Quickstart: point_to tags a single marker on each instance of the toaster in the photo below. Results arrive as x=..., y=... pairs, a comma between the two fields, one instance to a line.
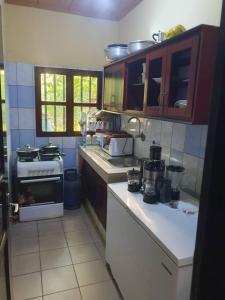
x=118, y=145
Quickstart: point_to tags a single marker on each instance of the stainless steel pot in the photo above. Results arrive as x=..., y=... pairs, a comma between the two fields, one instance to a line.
x=139, y=45
x=27, y=152
x=116, y=51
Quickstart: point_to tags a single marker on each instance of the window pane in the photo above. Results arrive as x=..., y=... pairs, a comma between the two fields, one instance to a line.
x=3, y=117
x=60, y=81
x=77, y=89
x=60, y=118
x=2, y=74
x=77, y=110
x=49, y=87
x=86, y=89
x=94, y=88
x=53, y=118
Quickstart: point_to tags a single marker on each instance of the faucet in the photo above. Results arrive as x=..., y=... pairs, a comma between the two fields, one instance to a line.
x=140, y=134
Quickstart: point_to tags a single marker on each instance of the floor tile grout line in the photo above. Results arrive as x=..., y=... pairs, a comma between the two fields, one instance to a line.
x=98, y=282
x=74, y=268
x=39, y=245
x=77, y=288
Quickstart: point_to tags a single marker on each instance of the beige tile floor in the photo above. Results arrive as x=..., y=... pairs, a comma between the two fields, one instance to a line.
x=60, y=259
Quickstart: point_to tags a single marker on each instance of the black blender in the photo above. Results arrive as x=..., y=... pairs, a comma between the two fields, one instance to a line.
x=153, y=169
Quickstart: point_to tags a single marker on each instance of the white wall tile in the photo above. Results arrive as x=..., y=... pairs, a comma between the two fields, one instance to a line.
x=26, y=118
x=166, y=134
x=178, y=136
x=56, y=141
x=190, y=164
x=166, y=155
x=69, y=142
x=14, y=118
x=10, y=73
x=25, y=74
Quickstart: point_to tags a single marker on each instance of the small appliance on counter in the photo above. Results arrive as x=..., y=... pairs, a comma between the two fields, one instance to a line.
x=118, y=144
x=134, y=180
x=175, y=174
x=153, y=170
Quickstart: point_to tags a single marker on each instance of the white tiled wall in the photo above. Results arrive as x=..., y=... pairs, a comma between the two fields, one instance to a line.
x=181, y=145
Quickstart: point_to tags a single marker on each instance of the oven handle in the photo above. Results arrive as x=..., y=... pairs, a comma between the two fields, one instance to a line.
x=40, y=180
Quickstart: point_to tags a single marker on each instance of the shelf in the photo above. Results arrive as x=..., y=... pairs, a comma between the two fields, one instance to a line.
x=138, y=84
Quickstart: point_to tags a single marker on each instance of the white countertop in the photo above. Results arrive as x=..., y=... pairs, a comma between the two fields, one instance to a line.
x=104, y=169
x=172, y=229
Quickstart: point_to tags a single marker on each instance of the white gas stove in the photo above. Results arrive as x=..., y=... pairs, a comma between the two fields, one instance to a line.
x=40, y=188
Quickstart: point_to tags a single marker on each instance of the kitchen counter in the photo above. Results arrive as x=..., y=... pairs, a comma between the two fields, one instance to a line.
x=104, y=169
x=172, y=229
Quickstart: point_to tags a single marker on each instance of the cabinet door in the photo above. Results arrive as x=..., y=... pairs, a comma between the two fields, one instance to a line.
x=141, y=269
x=180, y=83
x=114, y=87
x=156, y=76
x=135, y=83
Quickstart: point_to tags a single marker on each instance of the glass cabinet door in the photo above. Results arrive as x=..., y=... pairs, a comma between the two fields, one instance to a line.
x=114, y=87
x=156, y=67
x=181, y=70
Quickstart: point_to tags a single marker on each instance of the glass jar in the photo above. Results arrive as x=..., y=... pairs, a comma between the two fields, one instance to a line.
x=134, y=180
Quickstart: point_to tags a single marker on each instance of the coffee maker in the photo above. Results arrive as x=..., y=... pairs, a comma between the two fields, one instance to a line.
x=153, y=169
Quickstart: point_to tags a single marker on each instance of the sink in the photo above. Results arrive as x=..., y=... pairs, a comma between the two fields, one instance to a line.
x=123, y=162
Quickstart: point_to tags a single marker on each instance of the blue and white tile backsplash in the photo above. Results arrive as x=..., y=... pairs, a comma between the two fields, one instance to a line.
x=21, y=94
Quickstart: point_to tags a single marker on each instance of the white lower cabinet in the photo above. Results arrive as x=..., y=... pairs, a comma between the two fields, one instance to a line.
x=140, y=267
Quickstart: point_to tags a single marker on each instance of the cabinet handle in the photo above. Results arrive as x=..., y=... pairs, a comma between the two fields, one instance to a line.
x=166, y=268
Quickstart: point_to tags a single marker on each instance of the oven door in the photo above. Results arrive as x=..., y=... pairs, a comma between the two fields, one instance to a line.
x=40, y=190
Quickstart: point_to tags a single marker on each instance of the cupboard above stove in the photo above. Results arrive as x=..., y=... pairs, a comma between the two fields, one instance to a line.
x=170, y=80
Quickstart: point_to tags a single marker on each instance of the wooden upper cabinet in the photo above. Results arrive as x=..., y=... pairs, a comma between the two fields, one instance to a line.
x=170, y=80
x=114, y=87
x=155, y=83
x=134, y=84
x=181, y=79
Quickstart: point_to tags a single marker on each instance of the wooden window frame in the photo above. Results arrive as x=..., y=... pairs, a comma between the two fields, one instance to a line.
x=70, y=104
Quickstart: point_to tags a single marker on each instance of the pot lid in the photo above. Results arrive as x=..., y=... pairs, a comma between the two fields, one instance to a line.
x=27, y=149
x=133, y=172
x=50, y=146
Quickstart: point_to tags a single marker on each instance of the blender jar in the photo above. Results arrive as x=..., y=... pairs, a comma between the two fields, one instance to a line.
x=134, y=180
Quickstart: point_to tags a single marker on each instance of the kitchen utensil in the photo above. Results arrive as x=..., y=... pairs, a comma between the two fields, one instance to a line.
x=153, y=169
x=180, y=103
x=134, y=180
x=50, y=152
x=163, y=189
x=50, y=148
x=155, y=151
x=139, y=45
x=175, y=174
x=27, y=153
x=158, y=37
x=116, y=51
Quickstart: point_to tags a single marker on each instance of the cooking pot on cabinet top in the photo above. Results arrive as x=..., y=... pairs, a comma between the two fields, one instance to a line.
x=50, y=152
